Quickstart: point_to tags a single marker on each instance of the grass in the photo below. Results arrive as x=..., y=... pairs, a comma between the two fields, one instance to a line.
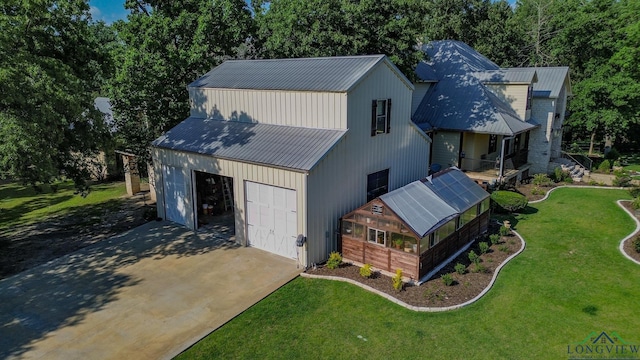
x=20, y=205
x=570, y=281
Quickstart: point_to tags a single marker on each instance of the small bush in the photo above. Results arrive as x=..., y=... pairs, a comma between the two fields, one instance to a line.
x=537, y=191
x=612, y=155
x=335, y=259
x=365, y=271
x=447, y=279
x=460, y=268
x=604, y=166
x=622, y=179
x=541, y=180
x=504, y=248
x=484, y=247
x=479, y=268
x=473, y=257
x=495, y=238
x=635, y=191
x=636, y=203
x=509, y=201
x=636, y=244
x=397, y=280
x=504, y=231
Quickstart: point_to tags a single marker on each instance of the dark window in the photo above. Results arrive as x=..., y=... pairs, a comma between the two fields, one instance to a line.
x=529, y=97
x=380, y=117
x=493, y=143
x=377, y=184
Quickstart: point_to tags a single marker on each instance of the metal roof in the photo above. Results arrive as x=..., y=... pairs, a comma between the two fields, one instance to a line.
x=550, y=81
x=462, y=103
x=450, y=57
x=331, y=74
x=456, y=189
x=281, y=146
x=507, y=76
x=419, y=207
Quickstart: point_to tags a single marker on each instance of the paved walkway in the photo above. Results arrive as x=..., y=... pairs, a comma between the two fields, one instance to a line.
x=147, y=294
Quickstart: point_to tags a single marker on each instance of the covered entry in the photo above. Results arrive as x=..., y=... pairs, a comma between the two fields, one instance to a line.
x=271, y=218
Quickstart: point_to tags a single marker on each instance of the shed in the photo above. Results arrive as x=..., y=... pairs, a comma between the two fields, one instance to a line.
x=417, y=226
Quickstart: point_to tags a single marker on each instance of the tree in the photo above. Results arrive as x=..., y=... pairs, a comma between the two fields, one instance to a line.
x=290, y=28
x=166, y=46
x=50, y=73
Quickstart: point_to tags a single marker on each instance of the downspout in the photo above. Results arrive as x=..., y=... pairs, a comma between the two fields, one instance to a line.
x=502, y=157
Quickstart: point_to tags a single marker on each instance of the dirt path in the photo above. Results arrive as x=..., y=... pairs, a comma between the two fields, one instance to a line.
x=28, y=246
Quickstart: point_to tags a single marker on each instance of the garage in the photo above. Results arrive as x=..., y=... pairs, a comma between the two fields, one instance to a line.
x=271, y=218
x=174, y=194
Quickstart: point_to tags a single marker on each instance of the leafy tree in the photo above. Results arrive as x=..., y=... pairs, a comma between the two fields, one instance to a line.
x=291, y=28
x=51, y=69
x=166, y=46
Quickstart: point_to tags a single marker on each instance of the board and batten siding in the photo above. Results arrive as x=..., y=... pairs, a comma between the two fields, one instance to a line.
x=323, y=110
x=338, y=183
x=446, y=148
x=514, y=95
x=240, y=172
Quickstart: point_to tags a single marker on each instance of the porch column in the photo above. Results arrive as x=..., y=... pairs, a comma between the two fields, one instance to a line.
x=131, y=174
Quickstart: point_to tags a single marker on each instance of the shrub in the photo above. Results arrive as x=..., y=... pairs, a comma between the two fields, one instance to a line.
x=636, y=203
x=604, y=166
x=558, y=174
x=612, y=155
x=473, y=257
x=335, y=259
x=447, y=279
x=397, y=280
x=504, y=231
x=504, y=248
x=635, y=191
x=460, y=268
x=480, y=268
x=509, y=201
x=484, y=247
x=537, y=191
x=495, y=238
x=636, y=244
x=365, y=271
x=541, y=180
x=622, y=179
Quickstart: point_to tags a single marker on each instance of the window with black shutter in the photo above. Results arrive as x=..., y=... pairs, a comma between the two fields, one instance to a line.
x=380, y=117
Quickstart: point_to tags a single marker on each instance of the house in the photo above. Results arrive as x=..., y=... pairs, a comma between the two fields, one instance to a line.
x=418, y=226
x=494, y=123
x=289, y=146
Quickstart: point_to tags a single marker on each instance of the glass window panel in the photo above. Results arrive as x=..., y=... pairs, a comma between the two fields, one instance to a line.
x=347, y=228
x=424, y=243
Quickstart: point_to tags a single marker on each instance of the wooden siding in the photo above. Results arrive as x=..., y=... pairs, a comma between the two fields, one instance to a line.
x=323, y=110
x=240, y=172
x=514, y=95
x=446, y=148
x=380, y=257
x=338, y=184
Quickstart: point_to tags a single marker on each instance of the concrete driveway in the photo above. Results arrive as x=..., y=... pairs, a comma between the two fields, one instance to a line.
x=147, y=294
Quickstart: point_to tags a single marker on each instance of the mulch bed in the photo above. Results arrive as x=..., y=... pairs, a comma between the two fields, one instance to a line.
x=628, y=246
x=434, y=293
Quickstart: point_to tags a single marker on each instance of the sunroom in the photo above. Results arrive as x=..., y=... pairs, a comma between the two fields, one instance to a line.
x=418, y=226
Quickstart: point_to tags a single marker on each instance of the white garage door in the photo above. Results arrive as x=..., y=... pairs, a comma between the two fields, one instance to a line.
x=271, y=218
x=174, y=194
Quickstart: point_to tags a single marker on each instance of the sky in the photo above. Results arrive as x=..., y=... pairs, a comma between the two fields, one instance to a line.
x=112, y=10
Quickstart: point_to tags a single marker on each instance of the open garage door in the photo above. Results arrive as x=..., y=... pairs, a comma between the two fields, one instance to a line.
x=174, y=194
x=271, y=218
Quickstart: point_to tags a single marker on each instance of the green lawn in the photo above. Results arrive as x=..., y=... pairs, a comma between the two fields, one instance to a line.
x=20, y=205
x=570, y=281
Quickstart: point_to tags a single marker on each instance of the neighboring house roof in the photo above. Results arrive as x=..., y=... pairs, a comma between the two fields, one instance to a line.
x=550, y=81
x=426, y=205
x=507, y=76
x=329, y=74
x=419, y=207
x=464, y=104
x=456, y=189
x=289, y=147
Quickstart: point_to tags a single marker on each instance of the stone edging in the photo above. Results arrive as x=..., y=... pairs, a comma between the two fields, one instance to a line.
x=420, y=308
x=619, y=202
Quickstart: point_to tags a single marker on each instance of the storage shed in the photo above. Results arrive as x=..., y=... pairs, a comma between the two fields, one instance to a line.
x=417, y=226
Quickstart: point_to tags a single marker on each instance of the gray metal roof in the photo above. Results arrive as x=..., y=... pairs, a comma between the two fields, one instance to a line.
x=450, y=57
x=462, y=103
x=331, y=74
x=419, y=207
x=550, y=81
x=456, y=189
x=507, y=76
x=281, y=146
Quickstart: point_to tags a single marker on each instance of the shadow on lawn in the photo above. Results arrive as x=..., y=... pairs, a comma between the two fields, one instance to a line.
x=514, y=218
x=62, y=293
